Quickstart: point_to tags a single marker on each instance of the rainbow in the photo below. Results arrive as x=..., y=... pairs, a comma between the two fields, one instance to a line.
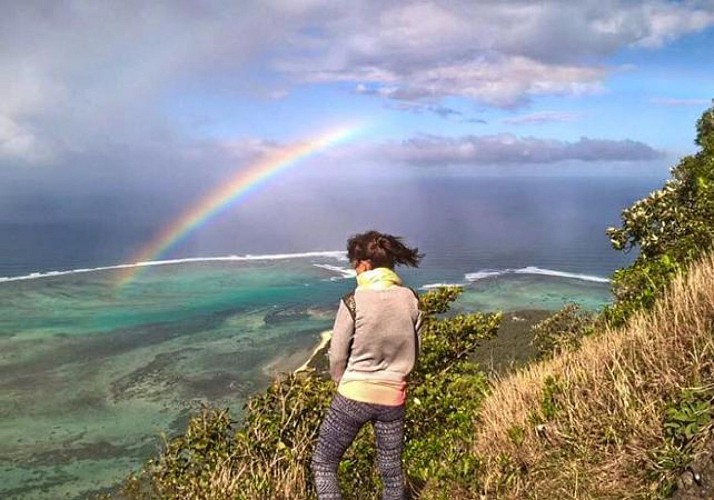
x=236, y=189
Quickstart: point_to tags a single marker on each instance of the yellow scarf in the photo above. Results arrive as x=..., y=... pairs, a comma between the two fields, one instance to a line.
x=380, y=278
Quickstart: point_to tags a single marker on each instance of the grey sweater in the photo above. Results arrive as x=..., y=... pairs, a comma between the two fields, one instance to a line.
x=382, y=342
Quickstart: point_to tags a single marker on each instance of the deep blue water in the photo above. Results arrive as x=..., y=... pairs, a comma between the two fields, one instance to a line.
x=462, y=224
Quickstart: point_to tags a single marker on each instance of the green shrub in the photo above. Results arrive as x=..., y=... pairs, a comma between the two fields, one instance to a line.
x=441, y=416
x=549, y=405
x=685, y=422
x=438, y=300
x=671, y=228
x=517, y=434
x=563, y=330
x=686, y=417
x=186, y=467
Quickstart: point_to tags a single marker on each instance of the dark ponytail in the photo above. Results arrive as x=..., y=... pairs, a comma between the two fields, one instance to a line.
x=383, y=250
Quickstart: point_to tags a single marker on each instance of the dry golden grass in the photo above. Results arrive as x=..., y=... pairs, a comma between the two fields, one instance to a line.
x=610, y=402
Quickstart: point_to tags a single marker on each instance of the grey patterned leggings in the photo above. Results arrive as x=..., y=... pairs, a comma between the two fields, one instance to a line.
x=342, y=423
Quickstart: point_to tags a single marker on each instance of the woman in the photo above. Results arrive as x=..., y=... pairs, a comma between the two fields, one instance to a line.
x=375, y=341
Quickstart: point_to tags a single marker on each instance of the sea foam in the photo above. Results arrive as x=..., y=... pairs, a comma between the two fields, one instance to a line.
x=334, y=254
x=488, y=273
x=431, y=286
x=342, y=271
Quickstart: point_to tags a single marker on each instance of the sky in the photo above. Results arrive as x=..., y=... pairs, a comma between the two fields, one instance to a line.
x=110, y=106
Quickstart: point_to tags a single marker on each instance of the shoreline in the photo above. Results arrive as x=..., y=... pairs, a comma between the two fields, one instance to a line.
x=319, y=348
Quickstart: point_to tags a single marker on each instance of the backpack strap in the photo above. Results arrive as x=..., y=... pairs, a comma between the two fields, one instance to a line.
x=351, y=304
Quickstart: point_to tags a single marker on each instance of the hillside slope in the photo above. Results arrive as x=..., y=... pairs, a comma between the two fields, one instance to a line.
x=620, y=417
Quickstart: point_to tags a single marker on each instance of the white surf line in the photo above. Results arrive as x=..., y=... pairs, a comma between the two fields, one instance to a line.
x=336, y=254
x=431, y=286
x=342, y=271
x=488, y=273
x=561, y=274
x=49, y=274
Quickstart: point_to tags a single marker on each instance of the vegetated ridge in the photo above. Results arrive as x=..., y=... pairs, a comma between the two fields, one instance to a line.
x=619, y=405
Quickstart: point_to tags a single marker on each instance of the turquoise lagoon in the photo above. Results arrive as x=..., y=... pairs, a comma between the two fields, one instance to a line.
x=93, y=373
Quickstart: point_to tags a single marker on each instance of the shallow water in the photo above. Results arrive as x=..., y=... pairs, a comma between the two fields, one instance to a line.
x=517, y=292
x=92, y=373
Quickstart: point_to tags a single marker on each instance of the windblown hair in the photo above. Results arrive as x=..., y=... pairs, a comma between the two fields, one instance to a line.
x=383, y=250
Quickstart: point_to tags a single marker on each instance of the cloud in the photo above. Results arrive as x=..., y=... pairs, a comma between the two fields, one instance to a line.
x=18, y=142
x=134, y=183
x=443, y=111
x=668, y=21
x=496, y=81
x=496, y=53
x=541, y=117
x=418, y=108
x=505, y=149
x=85, y=76
x=475, y=120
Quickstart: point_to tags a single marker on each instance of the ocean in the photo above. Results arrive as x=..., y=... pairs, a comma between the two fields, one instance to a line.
x=94, y=366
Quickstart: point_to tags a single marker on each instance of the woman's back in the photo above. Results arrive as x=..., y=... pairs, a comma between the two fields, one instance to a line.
x=375, y=342
x=385, y=343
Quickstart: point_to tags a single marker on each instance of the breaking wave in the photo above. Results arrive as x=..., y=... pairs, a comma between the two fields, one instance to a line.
x=493, y=273
x=342, y=271
x=488, y=273
x=431, y=286
x=334, y=254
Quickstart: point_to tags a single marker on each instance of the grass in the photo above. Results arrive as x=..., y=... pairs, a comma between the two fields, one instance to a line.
x=593, y=422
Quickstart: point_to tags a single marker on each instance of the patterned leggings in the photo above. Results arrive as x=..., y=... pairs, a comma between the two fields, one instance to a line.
x=344, y=419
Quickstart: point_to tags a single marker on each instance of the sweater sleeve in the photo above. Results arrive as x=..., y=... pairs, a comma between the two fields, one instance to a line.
x=342, y=334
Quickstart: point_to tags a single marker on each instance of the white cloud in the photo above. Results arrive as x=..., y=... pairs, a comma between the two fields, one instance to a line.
x=496, y=53
x=668, y=21
x=506, y=149
x=17, y=142
x=83, y=75
x=419, y=108
x=78, y=76
x=503, y=83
